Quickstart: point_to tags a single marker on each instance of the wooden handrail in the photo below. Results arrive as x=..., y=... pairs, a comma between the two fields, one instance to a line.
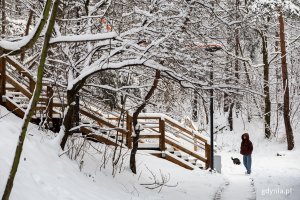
x=23, y=71
x=18, y=86
x=103, y=121
x=185, y=150
x=186, y=130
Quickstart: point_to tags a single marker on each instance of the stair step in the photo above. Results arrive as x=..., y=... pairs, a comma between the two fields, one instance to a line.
x=20, y=98
x=14, y=93
x=177, y=153
x=199, y=164
x=170, y=149
x=192, y=160
x=114, y=137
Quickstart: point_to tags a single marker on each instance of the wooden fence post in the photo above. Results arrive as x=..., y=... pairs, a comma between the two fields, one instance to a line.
x=31, y=85
x=162, y=139
x=207, y=155
x=50, y=101
x=2, y=80
x=129, y=131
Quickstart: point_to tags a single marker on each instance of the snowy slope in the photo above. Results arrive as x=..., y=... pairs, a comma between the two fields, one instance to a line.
x=43, y=175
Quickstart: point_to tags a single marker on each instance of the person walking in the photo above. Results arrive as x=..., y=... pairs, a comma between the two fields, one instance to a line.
x=246, y=151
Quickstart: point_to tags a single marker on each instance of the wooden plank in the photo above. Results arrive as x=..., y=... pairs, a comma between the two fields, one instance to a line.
x=148, y=117
x=129, y=131
x=162, y=142
x=145, y=136
x=171, y=159
x=14, y=108
x=59, y=104
x=2, y=79
x=18, y=86
x=181, y=148
x=185, y=130
x=102, y=121
x=18, y=66
x=89, y=134
x=207, y=155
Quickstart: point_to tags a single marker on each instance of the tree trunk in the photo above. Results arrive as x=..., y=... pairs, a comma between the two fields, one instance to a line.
x=32, y=104
x=267, y=109
x=3, y=17
x=230, y=117
x=195, y=106
x=27, y=31
x=68, y=119
x=286, y=98
x=135, y=122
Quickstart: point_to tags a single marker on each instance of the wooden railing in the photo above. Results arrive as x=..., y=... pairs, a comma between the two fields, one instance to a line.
x=160, y=131
x=20, y=80
x=164, y=132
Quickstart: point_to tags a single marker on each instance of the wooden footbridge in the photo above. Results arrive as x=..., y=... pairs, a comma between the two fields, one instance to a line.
x=162, y=136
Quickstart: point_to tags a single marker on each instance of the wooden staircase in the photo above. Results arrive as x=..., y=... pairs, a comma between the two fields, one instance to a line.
x=162, y=136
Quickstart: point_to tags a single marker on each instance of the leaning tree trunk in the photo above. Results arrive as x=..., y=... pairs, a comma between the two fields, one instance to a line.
x=135, y=122
x=32, y=104
x=70, y=111
x=286, y=98
x=267, y=113
x=68, y=118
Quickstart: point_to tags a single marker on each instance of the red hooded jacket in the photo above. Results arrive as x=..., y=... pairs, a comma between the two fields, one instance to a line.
x=246, y=145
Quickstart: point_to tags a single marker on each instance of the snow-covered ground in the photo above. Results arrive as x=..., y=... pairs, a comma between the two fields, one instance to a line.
x=43, y=175
x=273, y=177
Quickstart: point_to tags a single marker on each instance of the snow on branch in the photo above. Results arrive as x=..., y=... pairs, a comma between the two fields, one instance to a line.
x=107, y=87
x=14, y=47
x=84, y=38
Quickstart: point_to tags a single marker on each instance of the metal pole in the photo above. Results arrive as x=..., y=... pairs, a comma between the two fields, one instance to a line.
x=211, y=120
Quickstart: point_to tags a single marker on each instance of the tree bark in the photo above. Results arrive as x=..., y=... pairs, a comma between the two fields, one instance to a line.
x=135, y=122
x=3, y=17
x=27, y=31
x=32, y=104
x=286, y=98
x=267, y=109
x=230, y=117
x=67, y=122
x=195, y=106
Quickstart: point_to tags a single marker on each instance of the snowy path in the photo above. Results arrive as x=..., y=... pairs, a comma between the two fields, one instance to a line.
x=238, y=186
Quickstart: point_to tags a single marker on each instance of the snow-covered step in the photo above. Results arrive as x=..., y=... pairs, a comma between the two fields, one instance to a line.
x=190, y=165
x=151, y=126
x=9, y=86
x=185, y=156
x=177, y=153
x=192, y=160
x=148, y=146
x=199, y=164
x=23, y=98
x=14, y=93
x=114, y=137
x=17, y=101
x=170, y=149
x=56, y=115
